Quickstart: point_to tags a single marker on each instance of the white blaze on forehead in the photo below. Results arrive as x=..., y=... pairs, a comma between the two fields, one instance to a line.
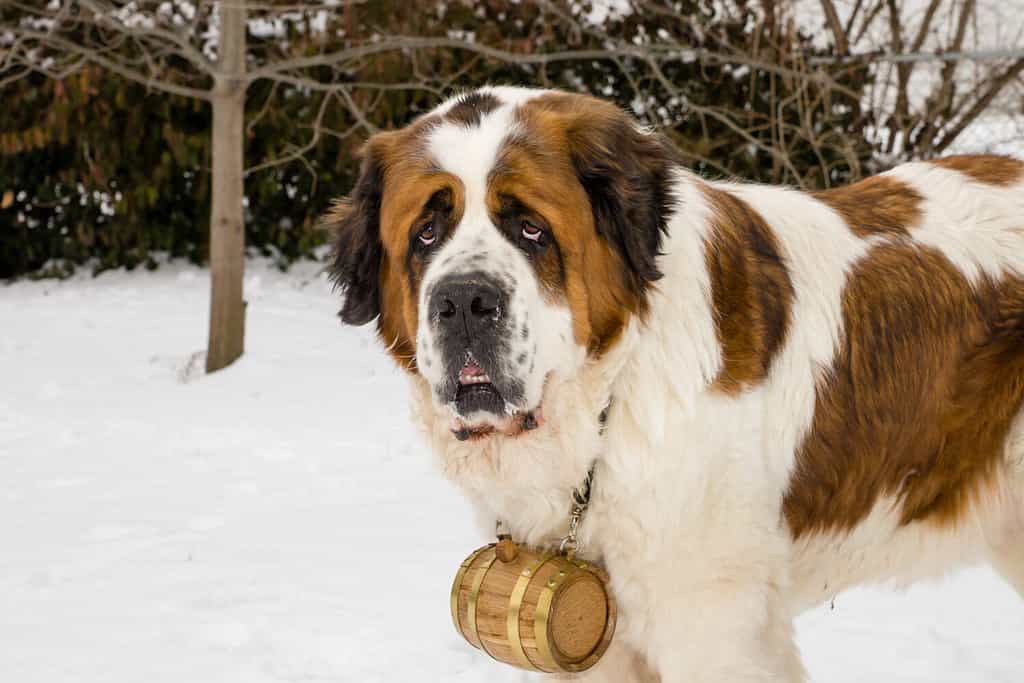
x=470, y=152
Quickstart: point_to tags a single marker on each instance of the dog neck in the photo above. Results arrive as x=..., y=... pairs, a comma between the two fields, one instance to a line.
x=527, y=480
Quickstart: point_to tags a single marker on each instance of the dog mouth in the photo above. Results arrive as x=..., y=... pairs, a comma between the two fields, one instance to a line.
x=475, y=393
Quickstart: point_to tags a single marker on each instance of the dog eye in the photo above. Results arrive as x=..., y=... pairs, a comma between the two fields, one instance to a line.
x=532, y=232
x=427, y=235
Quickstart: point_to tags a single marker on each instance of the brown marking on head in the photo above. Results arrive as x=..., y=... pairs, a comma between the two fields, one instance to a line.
x=605, y=188
x=920, y=398
x=985, y=168
x=515, y=205
x=751, y=291
x=471, y=108
x=374, y=227
x=880, y=205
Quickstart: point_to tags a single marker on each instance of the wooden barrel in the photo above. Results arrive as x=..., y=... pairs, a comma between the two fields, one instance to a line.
x=537, y=611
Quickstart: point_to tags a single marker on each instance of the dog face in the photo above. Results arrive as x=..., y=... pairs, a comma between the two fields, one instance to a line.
x=500, y=241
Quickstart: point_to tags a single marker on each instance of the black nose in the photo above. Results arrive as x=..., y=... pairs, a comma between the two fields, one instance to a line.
x=470, y=303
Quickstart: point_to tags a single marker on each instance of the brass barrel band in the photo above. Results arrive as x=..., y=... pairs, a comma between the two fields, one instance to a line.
x=474, y=593
x=515, y=604
x=457, y=585
x=541, y=620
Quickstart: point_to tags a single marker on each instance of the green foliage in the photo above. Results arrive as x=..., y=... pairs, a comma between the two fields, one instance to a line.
x=96, y=169
x=100, y=169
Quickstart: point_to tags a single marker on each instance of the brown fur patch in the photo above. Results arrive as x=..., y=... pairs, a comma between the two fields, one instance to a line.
x=407, y=181
x=880, y=205
x=751, y=291
x=409, y=188
x=593, y=287
x=985, y=168
x=510, y=213
x=920, y=398
x=603, y=186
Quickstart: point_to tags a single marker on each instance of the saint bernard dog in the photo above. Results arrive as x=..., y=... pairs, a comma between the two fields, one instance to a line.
x=781, y=393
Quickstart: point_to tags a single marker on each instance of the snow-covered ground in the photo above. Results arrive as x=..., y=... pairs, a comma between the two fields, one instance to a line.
x=279, y=521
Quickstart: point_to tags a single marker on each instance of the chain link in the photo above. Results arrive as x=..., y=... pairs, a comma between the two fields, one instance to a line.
x=580, y=500
x=570, y=544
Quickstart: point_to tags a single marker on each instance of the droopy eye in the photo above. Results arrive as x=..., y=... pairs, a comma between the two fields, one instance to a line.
x=532, y=232
x=427, y=235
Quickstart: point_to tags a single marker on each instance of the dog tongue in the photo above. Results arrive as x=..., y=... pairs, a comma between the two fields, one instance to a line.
x=472, y=373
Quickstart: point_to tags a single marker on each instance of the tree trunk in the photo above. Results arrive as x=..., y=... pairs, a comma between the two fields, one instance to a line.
x=227, y=221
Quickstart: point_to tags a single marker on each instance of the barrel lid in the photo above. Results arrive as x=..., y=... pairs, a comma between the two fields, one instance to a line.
x=579, y=617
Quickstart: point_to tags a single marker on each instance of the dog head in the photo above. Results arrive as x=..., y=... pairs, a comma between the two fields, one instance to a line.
x=500, y=242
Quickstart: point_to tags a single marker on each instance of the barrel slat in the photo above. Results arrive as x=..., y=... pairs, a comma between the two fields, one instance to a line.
x=492, y=609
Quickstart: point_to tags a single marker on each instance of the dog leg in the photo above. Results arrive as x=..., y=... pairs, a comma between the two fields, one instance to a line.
x=727, y=633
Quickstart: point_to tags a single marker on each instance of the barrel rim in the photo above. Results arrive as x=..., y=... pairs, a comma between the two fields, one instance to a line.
x=457, y=585
x=543, y=624
x=474, y=595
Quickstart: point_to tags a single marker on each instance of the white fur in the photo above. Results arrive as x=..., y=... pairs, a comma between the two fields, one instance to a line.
x=686, y=511
x=976, y=226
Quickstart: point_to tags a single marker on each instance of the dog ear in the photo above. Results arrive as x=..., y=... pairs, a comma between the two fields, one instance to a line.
x=358, y=252
x=626, y=173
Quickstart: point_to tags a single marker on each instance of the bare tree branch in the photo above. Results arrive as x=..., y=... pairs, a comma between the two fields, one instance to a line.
x=836, y=27
x=852, y=19
x=996, y=86
x=104, y=13
x=98, y=57
x=299, y=152
x=941, y=102
x=925, y=26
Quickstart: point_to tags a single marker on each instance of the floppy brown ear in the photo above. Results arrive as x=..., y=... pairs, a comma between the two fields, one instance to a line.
x=358, y=251
x=626, y=173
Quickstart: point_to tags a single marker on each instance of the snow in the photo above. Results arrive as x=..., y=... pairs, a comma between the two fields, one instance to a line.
x=600, y=11
x=992, y=133
x=280, y=521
